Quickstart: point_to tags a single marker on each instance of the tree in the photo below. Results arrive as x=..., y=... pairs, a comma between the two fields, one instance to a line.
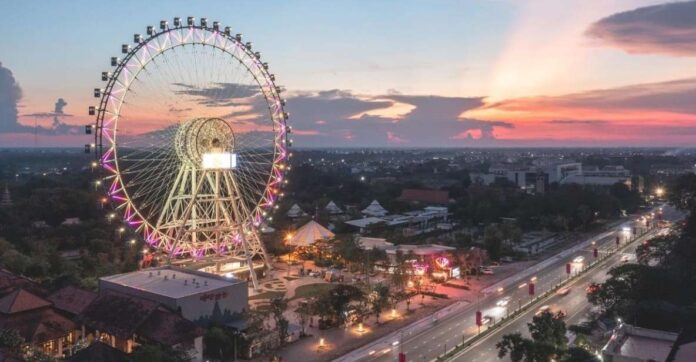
x=10, y=339
x=493, y=241
x=548, y=341
x=218, y=344
x=378, y=299
x=159, y=353
x=303, y=313
x=278, y=306
x=577, y=354
x=399, y=275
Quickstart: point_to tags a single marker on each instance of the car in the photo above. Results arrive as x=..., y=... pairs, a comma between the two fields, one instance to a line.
x=591, y=288
x=547, y=309
x=579, y=259
x=503, y=302
x=486, y=320
x=486, y=271
x=563, y=291
x=625, y=258
x=543, y=309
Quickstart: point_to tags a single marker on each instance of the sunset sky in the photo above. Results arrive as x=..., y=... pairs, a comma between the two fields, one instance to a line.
x=390, y=73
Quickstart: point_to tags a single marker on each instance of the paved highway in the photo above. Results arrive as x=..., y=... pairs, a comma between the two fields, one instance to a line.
x=447, y=332
x=574, y=304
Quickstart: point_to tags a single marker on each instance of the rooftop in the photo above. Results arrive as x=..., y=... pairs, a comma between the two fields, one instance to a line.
x=171, y=282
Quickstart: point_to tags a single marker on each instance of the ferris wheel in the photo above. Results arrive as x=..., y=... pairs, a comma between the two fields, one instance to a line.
x=191, y=132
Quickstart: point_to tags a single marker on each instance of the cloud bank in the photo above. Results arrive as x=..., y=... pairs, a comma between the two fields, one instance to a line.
x=666, y=29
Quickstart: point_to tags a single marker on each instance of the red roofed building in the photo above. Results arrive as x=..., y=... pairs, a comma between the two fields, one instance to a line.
x=436, y=197
x=37, y=322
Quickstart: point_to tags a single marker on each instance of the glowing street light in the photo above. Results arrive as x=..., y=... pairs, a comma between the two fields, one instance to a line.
x=659, y=191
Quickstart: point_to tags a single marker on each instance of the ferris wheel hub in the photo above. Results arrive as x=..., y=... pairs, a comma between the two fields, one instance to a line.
x=199, y=138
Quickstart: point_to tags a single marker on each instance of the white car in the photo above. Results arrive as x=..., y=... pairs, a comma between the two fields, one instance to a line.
x=563, y=291
x=503, y=302
x=486, y=271
x=579, y=259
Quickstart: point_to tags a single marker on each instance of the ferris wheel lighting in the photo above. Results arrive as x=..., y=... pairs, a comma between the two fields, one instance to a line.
x=204, y=143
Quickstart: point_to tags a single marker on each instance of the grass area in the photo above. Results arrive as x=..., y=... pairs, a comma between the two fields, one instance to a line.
x=267, y=295
x=312, y=290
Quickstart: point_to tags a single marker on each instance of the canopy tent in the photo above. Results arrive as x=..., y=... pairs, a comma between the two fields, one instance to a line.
x=333, y=209
x=295, y=211
x=309, y=233
x=375, y=209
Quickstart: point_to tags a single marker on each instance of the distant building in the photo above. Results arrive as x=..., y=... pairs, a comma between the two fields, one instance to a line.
x=6, y=199
x=374, y=209
x=366, y=243
x=295, y=212
x=71, y=221
x=435, y=197
x=199, y=297
x=333, y=209
x=634, y=344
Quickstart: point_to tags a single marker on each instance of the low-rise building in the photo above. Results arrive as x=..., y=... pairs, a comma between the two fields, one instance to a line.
x=635, y=344
x=199, y=297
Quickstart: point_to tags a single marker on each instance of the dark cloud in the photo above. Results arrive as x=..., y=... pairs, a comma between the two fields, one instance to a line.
x=219, y=94
x=666, y=28
x=342, y=118
x=10, y=94
x=674, y=96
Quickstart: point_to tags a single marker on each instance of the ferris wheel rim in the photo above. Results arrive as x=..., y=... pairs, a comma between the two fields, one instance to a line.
x=108, y=158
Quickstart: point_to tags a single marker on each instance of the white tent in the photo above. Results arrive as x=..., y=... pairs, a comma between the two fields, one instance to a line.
x=333, y=209
x=295, y=211
x=375, y=209
x=309, y=233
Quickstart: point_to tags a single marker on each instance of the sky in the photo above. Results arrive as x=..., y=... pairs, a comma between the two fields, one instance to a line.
x=401, y=73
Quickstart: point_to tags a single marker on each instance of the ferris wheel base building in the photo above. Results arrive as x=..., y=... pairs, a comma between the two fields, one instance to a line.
x=199, y=297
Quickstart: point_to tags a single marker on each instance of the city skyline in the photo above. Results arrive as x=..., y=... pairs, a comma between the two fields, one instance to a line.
x=388, y=74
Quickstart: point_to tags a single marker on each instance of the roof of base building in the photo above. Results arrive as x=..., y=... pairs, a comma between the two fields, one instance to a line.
x=20, y=301
x=71, y=299
x=168, y=328
x=98, y=351
x=124, y=315
x=117, y=314
x=171, y=282
x=38, y=325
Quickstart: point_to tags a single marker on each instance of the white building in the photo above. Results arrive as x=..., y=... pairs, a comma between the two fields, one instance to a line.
x=635, y=344
x=197, y=295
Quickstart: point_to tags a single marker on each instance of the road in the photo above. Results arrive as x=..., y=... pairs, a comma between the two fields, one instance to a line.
x=574, y=304
x=447, y=332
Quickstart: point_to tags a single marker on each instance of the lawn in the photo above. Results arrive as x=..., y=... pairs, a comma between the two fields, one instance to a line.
x=312, y=290
x=267, y=295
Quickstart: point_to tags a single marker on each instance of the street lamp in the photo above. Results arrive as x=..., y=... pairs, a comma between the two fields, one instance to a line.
x=659, y=191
